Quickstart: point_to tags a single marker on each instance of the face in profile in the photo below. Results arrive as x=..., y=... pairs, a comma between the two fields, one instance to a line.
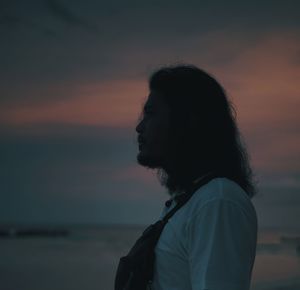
x=153, y=132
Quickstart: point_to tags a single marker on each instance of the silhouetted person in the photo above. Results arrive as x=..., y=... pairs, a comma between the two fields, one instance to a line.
x=187, y=131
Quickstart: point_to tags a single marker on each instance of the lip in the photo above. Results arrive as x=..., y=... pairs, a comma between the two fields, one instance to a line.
x=141, y=146
x=141, y=140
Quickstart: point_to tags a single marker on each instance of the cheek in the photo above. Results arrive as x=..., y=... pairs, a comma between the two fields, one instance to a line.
x=161, y=133
x=158, y=131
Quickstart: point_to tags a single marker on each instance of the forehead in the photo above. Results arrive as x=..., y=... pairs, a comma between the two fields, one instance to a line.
x=155, y=100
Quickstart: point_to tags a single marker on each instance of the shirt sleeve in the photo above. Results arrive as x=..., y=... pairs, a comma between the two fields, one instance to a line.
x=221, y=246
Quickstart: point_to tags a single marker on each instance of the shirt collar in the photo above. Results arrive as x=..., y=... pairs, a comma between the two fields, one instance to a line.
x=177, y=196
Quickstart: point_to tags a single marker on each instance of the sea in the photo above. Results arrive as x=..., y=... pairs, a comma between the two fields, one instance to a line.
x=87, y=258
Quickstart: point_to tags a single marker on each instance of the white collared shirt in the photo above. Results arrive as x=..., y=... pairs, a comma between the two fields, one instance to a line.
x=209, y=243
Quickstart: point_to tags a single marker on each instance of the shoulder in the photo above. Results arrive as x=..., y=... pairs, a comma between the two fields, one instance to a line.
x=218, y=191
x=222, y=213
x=218, y=205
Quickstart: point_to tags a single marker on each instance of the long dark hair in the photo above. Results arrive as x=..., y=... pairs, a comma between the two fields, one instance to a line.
x=204, y=136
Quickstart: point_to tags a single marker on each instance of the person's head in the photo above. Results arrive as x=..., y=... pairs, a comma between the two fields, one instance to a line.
x=188, y=129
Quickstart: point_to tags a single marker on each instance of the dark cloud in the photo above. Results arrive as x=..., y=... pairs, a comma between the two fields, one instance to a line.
x=17, y=14
x=64, y=13
x=131, y=36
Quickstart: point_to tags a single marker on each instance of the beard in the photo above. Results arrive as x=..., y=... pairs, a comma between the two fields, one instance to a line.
x=152, y=161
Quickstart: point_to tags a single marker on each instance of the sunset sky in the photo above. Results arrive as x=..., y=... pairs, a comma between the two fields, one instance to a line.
x=74, y=79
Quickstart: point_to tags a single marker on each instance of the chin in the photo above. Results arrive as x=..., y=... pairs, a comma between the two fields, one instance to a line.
x=148, y=161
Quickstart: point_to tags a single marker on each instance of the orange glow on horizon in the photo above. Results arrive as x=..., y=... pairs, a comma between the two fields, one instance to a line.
x=115, y=103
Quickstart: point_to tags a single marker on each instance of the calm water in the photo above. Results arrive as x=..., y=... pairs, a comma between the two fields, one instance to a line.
x=87, y=259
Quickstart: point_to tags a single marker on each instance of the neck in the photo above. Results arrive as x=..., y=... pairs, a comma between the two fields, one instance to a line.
x=194, y=182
